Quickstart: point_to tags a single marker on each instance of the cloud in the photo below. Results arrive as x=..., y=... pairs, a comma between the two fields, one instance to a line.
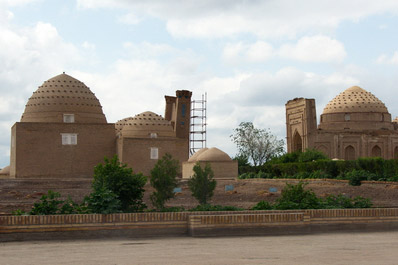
x=385, y=59
x=264, y=19
x=307, y=49
x=314, y=49
x=259, y=51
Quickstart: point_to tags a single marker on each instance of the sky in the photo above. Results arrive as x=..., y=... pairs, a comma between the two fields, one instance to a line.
x=250, y=57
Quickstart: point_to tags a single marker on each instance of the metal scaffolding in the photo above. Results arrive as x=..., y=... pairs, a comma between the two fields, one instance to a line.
x=198, y=124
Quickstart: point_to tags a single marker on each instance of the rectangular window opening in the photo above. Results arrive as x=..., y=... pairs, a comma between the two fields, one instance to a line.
x=69, y=138
x=154, y=153
x=69, y=118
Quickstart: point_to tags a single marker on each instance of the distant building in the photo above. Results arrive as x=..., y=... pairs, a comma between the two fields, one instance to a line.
x=353, y=124
x=63, y=133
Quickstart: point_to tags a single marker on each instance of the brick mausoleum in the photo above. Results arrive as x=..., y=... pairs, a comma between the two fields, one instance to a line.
x=353, y=124
x=63, y=133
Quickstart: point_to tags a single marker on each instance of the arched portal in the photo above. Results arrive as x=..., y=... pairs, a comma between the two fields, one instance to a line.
x=376, y=151
x=323, y=149
x=297, y=142
x=349, y=153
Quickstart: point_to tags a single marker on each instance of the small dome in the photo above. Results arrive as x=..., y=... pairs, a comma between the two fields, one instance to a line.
x=395, y=120
x=196, y=154
x=5, y=171
x=355, y=99
x=144, y=124
x=61, y=95
x=213, y=155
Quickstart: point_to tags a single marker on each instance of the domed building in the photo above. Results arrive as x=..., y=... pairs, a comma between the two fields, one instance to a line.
x=353, y=124
x=222, y=165
x=63, y=133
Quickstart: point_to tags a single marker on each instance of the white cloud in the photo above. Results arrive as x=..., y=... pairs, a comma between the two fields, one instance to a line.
x=130, y=19
x=385, y=59
x=307, y=49
x=314, y=49
x=236, y=53
x=265, y=19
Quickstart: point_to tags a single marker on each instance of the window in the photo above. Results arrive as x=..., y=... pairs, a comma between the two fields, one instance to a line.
x=154, y=135
x=69, y=118
x=347, y=117
x=69, y=138
x=154, y=153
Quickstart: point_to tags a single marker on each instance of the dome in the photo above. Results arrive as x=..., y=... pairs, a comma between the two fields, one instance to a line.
x=212, y=155
x=355, y=99
x=5, y=171
x=144, y=124
x=196, y=154
x=61, y=95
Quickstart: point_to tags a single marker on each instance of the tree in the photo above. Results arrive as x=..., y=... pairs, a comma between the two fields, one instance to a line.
x=118, y=181
x=258, y=145
x=202, y=183
x=164, y=180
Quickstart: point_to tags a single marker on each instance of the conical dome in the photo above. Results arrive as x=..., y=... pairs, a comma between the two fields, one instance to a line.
x=62, y=95
x=355, y=99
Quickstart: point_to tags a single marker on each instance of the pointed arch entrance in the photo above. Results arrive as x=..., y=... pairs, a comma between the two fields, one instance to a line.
x=297, y=142
x=349, y=153
x=376, y=151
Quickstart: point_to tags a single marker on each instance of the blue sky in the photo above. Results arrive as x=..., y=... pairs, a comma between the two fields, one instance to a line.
x=249, y=56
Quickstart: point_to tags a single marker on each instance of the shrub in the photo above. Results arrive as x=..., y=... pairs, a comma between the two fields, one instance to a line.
x=49, y=204
x=102, y=201
x=163, y=180
x=311, y=155
x=208, y=207
x=202, y=183
x=296, y=197
x=122, y=182
x=356, y=176
x=262, y=205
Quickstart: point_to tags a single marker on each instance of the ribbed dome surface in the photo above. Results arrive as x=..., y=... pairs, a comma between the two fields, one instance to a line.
x=355, y=99
x=143, y=124
x=60, y=95
x=211, y=155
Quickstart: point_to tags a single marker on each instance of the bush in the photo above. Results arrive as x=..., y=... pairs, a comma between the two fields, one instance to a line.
x=213, y=208
x=356, y=176
x=102, y=201
x=262, y=205
x=163, y=180
x=296, y=197
x=49, y=204
x=122, y=182
x=202, y=183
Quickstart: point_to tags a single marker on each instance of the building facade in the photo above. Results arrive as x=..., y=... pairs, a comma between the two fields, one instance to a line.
x=354, y=124
x=63, y=133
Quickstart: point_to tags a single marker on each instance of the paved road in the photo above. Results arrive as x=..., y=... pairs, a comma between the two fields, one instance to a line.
x=349, y=248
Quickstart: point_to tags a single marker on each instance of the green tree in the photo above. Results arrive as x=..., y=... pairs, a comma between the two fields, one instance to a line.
x=258, y=145
x=117, y=178
x=202, y=183
x=163, y=180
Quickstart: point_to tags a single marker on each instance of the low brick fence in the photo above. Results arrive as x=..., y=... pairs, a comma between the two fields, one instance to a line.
x=196, y=223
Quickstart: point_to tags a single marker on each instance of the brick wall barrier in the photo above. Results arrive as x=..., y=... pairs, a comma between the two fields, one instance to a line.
x=196, y=223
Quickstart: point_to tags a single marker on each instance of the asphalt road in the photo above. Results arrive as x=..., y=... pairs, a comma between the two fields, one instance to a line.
x=347, y=248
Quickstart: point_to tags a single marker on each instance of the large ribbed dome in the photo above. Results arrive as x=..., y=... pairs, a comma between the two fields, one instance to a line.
x=355, y=99
x=143, y=124
x=61, y=95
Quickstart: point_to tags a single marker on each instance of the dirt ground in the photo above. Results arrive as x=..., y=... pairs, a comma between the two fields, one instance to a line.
x=347, y=248
x=21, y=194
